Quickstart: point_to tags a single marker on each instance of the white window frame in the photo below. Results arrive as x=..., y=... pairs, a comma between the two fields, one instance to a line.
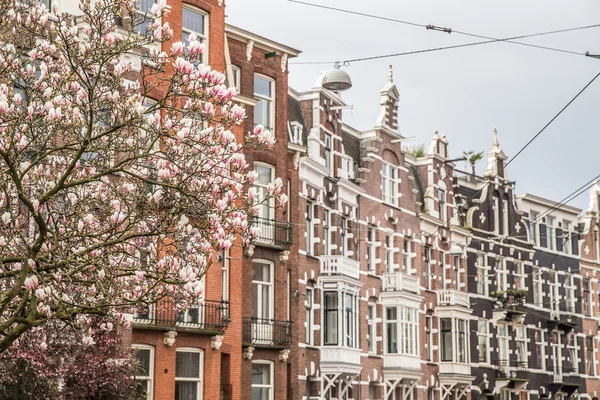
x=270, y=386
x=496, y=210
x=344, y=335
x=502, y=274
x=573, y=349
x=567, y=232
x=310, y=227
x=262, y=191
x=520, y=276
x=534, y=234
x=389, y=252
x=309, y=319
x=406, y=255
x=345, y=237
x=521, y=340
x=236, y=77
x=429, y=337
x=482, y=274
x=200, y=380
x=428, y=264
x=590, y=362
x=540, y=345
x=550, y=233
x=443, y=269
x=202, y=36
x=570, y=293
x=371, y=328
x=326, y=232
x=389, y=183
x=538, y=286
x=442, y=203
x=503, y=343
x=456, y=260
x=483, y=333
x=328, y=150
x=271, y=101
x=225, y=274
x=371, y=250
x=270, y=285
x=407, y=330
x=505, y=218
x=150, y=377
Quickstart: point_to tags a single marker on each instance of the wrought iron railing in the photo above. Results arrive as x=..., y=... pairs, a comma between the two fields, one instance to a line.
x=270, y=231
x=511, y=368
x=211, y=315
x=269, y=332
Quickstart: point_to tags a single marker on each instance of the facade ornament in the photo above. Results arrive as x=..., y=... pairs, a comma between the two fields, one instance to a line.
x=296, y=159
x=250, y=250
x=248, y=353
x=216, y=342
x=587, y=250
x=169, y=338
x=482, y=217
x=249, y=47
x=284, y=59
x=284, y=256
x=284, y=355
x=220, y=3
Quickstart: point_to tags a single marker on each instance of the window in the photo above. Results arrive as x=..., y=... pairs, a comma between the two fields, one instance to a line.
x=350, y=321
x=225, y=275
x=540, y=349
x=429, y=337
x=371, y=255
x=496, y=209
x=345, y=236
x=553, y=289
x=264, y=107
x=505, y=222
x=144, y=356
x=570, y=293
x=461, y=340
x=330, y=316
x=428, y=271
x=520, y=275
x=533, y=230
x=236, y=74
x=521, y=337
x=327, y=147
x=503, y=343
x=407, y=247
x=266, y=175
x=402, y=330
x=483, y=340
x=443, y=273
x=586, y=297
x=572, y=347
x=556, y=344
x=309, y=302
x=143, y=9
x=389, y=188
x=538, y=294
x=310, y=209
x=188, y=374
x=550, y=243
x=262, y=380
x=326, y=233
x=481, y=277
x=442, y=203
x=193, y=21
x=589, y=356
x=566, y=229
x=389, y=253
x=262, y=291
x=446, y=339
x=502, y=274
x=371, y=329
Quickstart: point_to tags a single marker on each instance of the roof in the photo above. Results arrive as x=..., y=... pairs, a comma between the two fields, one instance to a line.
x=351, y=146
x=295, y=114
x=260, y=41
x=417, y=183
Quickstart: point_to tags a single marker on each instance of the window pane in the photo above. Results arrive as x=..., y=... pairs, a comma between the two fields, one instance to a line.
x=145, y=5
x=186, y=390
x=193, y=21
x=187, y=365
x=143, y=360
x=261, y=272
x=262, y=113
x=260, y=393
x=264, y=175
x=261, y=374
x=262, y=86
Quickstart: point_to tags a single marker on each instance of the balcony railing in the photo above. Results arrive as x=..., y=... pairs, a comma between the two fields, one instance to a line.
x=266, y=332
x=512, y=369
x=340, y=265
x=211, y=315
x=398, y=281
x=272, y=232
x=448, y=297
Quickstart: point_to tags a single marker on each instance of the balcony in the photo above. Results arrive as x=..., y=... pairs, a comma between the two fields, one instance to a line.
x=273, y=233
x=454, y=368
x=401, y=361
x=340, y=265
x=211, y=316
x=567, y=378
x=512, y=370
x=266, y=332
x=340, y=359
x=398, y=281
x=448, y=297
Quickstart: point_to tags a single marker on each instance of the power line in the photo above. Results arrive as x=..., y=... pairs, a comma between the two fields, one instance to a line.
x=448, y=30
x=520, y=151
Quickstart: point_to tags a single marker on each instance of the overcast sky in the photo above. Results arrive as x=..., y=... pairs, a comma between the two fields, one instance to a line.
x=463, y=93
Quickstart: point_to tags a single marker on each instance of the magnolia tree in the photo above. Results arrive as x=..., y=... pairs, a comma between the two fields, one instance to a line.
x=119, y=172
x=57, y=361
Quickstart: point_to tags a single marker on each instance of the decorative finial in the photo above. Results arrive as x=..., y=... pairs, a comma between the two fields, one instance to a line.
x=495, y=138
x=391, y=75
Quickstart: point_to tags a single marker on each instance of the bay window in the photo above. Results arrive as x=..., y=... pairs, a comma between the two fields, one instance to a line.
x=264, y=113
x=194, y=21
x=461, y=340
x=347, y=319
x=402, y=330
x=454, y=340
x=188, y=374
x=389, y=187
x=446, y=339
x=262, y=380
